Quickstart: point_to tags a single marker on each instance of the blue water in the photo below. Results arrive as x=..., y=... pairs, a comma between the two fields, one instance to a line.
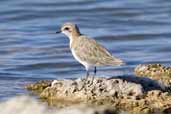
x=136, y=31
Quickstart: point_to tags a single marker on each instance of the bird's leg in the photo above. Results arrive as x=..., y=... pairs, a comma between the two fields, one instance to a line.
x=87, y=75
x=84, y=81
x=95, y=70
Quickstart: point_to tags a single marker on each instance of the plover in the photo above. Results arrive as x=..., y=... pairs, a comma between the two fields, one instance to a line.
x=86, y=50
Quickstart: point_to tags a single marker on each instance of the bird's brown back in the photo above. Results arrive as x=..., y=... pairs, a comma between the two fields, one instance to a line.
x=90, y=51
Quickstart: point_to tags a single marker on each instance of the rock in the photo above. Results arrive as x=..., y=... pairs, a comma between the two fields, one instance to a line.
x=39, y=86
x=167, y=111
x=101, y=88
x=158, y=101
x=156, y=72
x=28, y=105
x=137, y=95
x=147, y=83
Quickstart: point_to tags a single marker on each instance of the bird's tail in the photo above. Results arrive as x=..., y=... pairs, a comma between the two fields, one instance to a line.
x=117, y=61
x=111, y=62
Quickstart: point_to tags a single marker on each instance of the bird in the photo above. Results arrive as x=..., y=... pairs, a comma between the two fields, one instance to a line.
x=87, y=50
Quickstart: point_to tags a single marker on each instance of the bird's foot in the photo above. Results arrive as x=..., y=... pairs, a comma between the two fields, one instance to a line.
x=84, y=84
x=87, y=82
x=91, y=82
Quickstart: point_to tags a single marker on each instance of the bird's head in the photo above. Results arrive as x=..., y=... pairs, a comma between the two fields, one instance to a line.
x=69, y=29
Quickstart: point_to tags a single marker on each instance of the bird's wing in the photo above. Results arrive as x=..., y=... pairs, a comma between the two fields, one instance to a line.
x=90, y=51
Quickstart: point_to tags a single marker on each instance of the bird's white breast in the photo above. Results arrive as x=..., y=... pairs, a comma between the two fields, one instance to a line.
x=86, y=65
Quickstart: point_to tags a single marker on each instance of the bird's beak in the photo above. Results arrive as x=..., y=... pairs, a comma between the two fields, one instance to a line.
x=58, y=32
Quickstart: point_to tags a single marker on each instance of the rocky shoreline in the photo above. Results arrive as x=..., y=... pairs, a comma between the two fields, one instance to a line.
x=141, y=94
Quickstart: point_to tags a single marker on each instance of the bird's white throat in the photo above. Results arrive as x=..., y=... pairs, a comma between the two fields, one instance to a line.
x=69, y=35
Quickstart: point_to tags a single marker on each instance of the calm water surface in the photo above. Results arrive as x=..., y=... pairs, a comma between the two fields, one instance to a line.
x=136, y=31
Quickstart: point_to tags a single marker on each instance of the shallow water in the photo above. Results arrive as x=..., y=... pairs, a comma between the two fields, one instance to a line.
x=136, y=31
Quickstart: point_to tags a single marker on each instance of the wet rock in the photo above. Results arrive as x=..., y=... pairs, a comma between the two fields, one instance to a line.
x=28, y=105
x=39, y=86
x=156, y=72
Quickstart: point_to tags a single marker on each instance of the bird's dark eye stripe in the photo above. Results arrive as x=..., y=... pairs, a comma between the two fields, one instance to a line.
x=66, y=28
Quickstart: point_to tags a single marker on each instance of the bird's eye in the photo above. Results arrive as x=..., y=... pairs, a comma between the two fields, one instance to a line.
x=66, y=28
